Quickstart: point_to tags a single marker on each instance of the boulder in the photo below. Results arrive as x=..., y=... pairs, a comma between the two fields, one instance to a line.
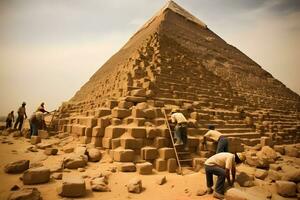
x=244, y=180
x=74, y=161
x=274, y=175
x=261, y=174
x=135, y=185
x=286, y=188
x=80, y=150
x=235, y=194
x=292, y=175
x=291, y=151
x=99, y=184
x=126, y=167
x=68, y=149
x=144, y=168
x=94, y=155
x=17, y=167
x=201, y=192
x=72, y=187
x=36, y=176
x=26, y=194
x=35, y=140
x=50, y=151
x=161, y=180
x=269, y=152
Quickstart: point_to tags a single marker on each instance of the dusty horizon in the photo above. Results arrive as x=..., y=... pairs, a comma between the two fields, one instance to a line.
x=50, y=49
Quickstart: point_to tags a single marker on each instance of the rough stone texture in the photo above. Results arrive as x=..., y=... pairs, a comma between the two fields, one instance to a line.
x=160, y=165
x=99, y=184
x=80, y=150
x=123, y=155
x=172, y=165
x=36, y=176
x=17, y=167
x=144, y=168
x=235, y=194
x=166, y=153
x=135, y=186
x=149, y=153
x=74, y=161
x=244, y=180
x=161, y=180
x=26, y=194
x=35, y=140
x=286, y=188
x=291, y=151
x=292, y=175
x=94, y=155
x=72, y=187
x=126, y=167
x=261, y=174
x=50, y=151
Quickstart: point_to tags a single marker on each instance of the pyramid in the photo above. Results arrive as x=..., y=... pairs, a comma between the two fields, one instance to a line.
x=175, y=60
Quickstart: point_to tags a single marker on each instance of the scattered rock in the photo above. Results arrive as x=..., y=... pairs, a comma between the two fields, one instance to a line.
x=50, y=151
x=17, y=167
x=94, y=155
x=292, y=175
x=244, y=180
x=291, y=151
x=286, y=188
x=99, y=185
x=161, y=180
x=235, y=194
x=32, y=149
x=26, y=194
x=135, y=186
x=274, y=175
x=35, y=140
x=279, y=149
x=72, y=187
x=80, y=150
x=201, y=192
x=57, y=176
x=144, y=168
x=81, y=169
x=14, y=188
x=261, y=174
x=36, y=176
x=126, y=167
x=75, y=161
x=43, y=145
x=68, y=149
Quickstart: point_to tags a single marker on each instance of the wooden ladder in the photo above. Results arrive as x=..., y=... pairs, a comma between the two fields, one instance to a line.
x=177, y=154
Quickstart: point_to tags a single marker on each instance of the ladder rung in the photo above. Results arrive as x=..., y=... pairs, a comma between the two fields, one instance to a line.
x=184, y=153
x=186, y=160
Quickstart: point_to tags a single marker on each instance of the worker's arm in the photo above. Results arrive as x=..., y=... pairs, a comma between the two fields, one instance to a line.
x=173, y=120
x=227, y=172
x=233, y=171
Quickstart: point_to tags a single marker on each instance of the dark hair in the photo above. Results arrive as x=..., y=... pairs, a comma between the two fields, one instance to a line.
x=237, y=159
x=211, y=127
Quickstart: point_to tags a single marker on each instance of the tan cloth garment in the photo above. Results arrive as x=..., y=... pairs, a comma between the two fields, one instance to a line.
x=213, y=134
x=22, y=111
x=179, y=118
x=224, y=160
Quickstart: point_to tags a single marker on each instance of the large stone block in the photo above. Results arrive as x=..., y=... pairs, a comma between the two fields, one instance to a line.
x=160, y=165
x=144, y=168
x=115, y=143
x=164, y=131
x=166, y=153
x=111, y=104
x=88, y=132
x=43, y=134
x=102, y=112
x=138, y=113
x=149, y=153
x=149, y=113
x=125, y=104
x=35, y=140
x=139, y=121
x=172, y=165
x=126, y=167
x=152, y=132
x=85, y=140
x=98, y=131
x=88, y=121
x=137, y=132
x=96, y=141
x=160, y=142
x=36, y=176
x=123, y=155
x=120, y=113
x=193, y=141
x=135, y=186
x=94, y=155
x=106, y=143
x=78, y=130
x=72, y=186
x=131, y=143
x=17, y=167
x=114, y=131
x=103, y=122
x=286, y=188
x=74, y=161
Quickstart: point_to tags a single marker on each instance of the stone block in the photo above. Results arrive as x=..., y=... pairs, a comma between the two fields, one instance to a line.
x=72, y=186
x=103, y=122
x=137, y=132
x=138, y=92
x=152, y=132
x=266, y=141
x=149, y=113
x=123, y=155
x=116, y=121
x=106, y=143
x=286, y=188
x=149, y=153
x=137, y=113
x=74, y=161
x=94, y=155
x=160, y=142
x=126, y=167
x=125, y=104
x=25, y=194
x=160, y=165
x=98, y=131
x=164, y=132
x=36, y=176
x=17, y=167
x=172, y=165
x=198, y=163
x=113, y=131
x=135, y=99
x=102, y=112
x=111, y=104
x=135, y=186
x=96, y=141
x=144, y=168
x=166, y=153
x=131, y=143
x=43, y=134
x=139, y=121
x=78, y=130
x=88, y=132
x=88, y=121
x=85, y=140
x=193, y=141
x=35, y=140
x=120, y=113
x=50, y=151
x=115, y=143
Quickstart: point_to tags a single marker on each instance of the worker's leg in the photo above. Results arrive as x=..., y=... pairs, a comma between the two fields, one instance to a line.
x=178, y=134
x=17, y=122
x=209, y=177
x=222, y=145
x=21, y=123
x=220, y=172
x=184, y=134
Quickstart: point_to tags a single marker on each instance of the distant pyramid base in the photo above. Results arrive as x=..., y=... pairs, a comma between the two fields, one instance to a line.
x=174, y=60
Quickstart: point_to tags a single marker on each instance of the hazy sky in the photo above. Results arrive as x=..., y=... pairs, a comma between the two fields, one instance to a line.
x=50, y=48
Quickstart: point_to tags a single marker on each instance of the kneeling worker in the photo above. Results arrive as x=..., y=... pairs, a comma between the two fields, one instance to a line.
x=216, y=136
x=180, y=128
x=221, y=165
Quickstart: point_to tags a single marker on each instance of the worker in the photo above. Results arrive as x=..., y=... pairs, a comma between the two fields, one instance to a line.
x=180, y=128
x=36, y=122
x=21, y=115
x=216, y=136
x=221, y=165
x=41, y=108
x=10, y=119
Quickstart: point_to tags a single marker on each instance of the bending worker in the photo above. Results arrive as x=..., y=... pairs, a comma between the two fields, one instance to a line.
x=219, y=138
x=180, y=128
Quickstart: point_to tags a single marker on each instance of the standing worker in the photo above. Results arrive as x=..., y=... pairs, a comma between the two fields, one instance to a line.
x=180, y=128
x=41, y=108
x=21, y=115
x=219, y=138
x=10, y=119
x=221, y=165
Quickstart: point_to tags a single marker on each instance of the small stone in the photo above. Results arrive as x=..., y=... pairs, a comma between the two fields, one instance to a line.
x=26, y=194
x=94, y=155
x=81, y=169
x=35, y=140
x=14, y=188
x=135, y=185
x=201, y=192
x=36, y=176
x=57, y=176
x=50, y=151
x=17, y=167
x=161, y=180
x=72, y=187
x=99, y=185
